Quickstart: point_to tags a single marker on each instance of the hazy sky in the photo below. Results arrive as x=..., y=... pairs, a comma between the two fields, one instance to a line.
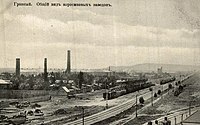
x=128, y=33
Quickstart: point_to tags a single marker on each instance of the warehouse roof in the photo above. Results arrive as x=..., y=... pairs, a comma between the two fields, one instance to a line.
x=66, y=89
x=4, y=82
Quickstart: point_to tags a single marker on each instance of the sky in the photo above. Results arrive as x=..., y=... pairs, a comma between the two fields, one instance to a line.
x=128, y=33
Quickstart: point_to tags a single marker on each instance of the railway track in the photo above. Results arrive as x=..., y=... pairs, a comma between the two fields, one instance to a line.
x=110, y=112
x=114, y=110
x=95, y=118
x=104, y=114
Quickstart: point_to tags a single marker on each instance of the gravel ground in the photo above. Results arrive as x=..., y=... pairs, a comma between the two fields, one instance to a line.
x=92, y=102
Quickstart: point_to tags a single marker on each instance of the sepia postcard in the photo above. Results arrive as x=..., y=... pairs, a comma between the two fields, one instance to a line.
x=99, y=62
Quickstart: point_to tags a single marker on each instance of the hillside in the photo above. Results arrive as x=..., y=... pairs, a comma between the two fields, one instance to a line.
x=149, y=67
x=146, y=67
x=10, y=70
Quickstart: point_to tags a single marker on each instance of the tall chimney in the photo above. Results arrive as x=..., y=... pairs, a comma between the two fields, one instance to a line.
x=17, y=66
x=68, y=62
x=45, y=69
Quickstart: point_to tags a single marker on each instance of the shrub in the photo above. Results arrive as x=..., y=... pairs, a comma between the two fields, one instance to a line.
x=180, y=88
x=141, y=100
x=155, y=95
x=156, y=122
x=150, y=123
x=159, y=92
x=170, y=86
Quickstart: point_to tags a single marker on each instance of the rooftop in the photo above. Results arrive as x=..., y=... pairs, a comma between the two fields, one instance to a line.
x=5, y=82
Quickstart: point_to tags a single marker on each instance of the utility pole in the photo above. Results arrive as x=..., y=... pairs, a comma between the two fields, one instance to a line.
x=174, y=120
x=83, y=115
x=189, y=104
x=168, y=88
x=181, y=117
x=189, y=108
x=174, y=86
x=106, y=95
x=162, y=92
x=151, y=89
x=136, y=106
x=152, y=96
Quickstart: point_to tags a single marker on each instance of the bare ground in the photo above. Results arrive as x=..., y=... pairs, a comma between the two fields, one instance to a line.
x=170, y=102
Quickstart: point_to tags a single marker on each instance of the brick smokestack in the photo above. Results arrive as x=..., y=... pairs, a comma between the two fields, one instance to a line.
x=17, y=67
x=45, y=70
x=68, y=62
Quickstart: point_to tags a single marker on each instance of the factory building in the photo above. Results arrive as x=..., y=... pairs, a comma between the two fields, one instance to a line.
x=160, y=72
x=4, y=84
x=45, y=70
x=68, y=62
x=17, y=67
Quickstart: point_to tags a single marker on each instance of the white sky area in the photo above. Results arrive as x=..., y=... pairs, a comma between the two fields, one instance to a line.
x=128, y=33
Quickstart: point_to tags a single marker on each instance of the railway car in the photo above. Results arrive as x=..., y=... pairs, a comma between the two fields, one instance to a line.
x=167, y=80
x=114, y=92
x=126, y=87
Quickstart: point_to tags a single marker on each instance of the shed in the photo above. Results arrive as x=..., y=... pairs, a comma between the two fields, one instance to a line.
x=4, y=84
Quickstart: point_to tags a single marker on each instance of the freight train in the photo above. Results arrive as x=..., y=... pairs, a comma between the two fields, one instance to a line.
x=126, y=87
x=167, y=80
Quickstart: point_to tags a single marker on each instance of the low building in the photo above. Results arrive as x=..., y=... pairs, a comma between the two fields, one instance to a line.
x=4, y=84
x=160, y=72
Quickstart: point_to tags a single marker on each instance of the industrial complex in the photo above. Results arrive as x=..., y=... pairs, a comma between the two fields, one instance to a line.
x=74, y=97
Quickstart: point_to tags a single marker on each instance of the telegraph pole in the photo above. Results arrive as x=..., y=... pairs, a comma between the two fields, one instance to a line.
x=151, y=89
x=162, y=92
x=174, y=85
x=152, y=97
x=174, y=120
x=83, y=115
x=106, y=95
x=189, y=108
x=136, y=106
x=189, y=104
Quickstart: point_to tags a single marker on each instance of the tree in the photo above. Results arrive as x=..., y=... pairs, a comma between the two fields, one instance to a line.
x=170, y=86
x=180, y=88
x=155, y=95
x=150, y=123
x=31, y=82
x=81, y=79
x=141, y=100
x=16, y=82
x=6, y=75
x=159, y=92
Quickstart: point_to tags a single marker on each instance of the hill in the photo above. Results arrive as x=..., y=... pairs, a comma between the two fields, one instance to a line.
x=10, y=70
x=149, y=67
